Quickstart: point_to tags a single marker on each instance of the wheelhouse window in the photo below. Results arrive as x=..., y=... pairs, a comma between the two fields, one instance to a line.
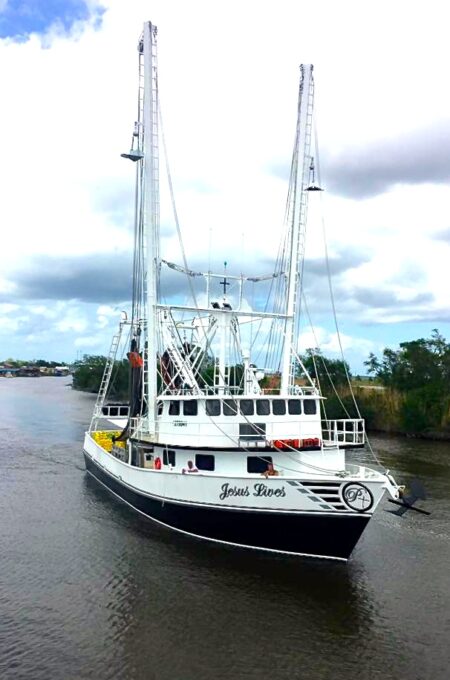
x=247, y=407
x=160, y=407
x=310, y=407
x=229, y=407
x=212, y=408
x=169, y=457
x=190, y=407
x=252, y=432
x=295, y=407
x=174, y=408
x=204, y=461
x=258, y=464
x=279, y=407
x=263, y=407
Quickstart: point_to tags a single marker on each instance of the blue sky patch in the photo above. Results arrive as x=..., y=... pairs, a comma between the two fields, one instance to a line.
x=20, y=18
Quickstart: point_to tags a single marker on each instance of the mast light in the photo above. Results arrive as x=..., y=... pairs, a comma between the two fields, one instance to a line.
x=134, y=155
x=312, y=186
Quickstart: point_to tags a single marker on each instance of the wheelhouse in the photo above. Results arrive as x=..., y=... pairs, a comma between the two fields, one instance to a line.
x=239, y=421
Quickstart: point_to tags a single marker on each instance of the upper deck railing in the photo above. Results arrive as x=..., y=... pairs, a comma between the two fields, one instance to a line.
x=210, y=391
x=349, y=431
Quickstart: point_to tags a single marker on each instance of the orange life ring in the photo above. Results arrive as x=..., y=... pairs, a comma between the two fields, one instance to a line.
x=286, y=443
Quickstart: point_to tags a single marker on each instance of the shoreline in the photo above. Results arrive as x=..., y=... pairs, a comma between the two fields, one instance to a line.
x=432, y=435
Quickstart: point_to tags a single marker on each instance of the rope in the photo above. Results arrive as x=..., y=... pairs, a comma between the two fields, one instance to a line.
x=235, y=441
x=279, y=261
x=333, y=306
x=174, y=207
x=324, y=363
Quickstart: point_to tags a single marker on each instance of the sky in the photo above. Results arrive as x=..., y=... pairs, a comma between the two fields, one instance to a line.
x=228, y=75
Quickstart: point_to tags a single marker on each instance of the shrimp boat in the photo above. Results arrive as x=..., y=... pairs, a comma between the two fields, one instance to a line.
x=203, y=447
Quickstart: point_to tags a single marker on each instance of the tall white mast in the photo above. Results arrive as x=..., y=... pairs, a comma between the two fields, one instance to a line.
x=150, y=206
x=297, y=213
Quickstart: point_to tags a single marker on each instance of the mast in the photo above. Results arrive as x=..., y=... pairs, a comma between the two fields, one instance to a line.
x=297, y=212
x=150, y=208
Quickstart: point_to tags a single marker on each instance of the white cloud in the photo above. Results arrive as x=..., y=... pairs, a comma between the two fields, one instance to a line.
x=7, y=308
x=228, y=91
x=105, y=314
x=45, y=311
x=106, y=310
x=90, y=341
x=355, y=344
x=71, y=323
x=328, y=342
x=8, y=325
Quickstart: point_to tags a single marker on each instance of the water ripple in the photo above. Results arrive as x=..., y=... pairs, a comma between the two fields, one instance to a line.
x=88, y=589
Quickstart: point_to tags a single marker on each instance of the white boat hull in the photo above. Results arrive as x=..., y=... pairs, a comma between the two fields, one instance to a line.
x=298, y=516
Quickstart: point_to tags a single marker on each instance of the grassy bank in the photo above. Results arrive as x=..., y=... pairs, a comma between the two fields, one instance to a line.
x=423, y=412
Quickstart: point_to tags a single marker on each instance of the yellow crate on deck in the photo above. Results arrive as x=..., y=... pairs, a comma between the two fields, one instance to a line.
x=104, y=438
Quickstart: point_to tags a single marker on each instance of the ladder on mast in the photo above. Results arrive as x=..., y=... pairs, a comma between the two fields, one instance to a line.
x=150, y=208
x=297, y=215
x=146, y=248
x=101, y=396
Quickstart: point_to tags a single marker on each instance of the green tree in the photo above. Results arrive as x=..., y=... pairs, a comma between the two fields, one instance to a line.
x=420, y=371
x=88, y=375
x=47, y=364
x=422, y=410
x=328, y=371
x=88, y=372
x=416, y=364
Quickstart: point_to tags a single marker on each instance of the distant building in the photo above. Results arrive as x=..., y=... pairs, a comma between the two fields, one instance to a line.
x=32, y=371
x=7, y=371
x=29, y=372
x=62, y=370
x=47, y=370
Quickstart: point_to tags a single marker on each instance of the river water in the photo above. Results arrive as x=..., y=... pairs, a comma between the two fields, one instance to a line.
x=88, y=589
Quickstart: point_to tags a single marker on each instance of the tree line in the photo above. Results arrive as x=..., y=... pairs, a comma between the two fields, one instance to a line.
x=41, y=363
x=88, y=373
x=417, y=379
x=408, y=390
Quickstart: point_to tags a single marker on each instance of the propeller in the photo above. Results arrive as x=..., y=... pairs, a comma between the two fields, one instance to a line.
x=417, y=492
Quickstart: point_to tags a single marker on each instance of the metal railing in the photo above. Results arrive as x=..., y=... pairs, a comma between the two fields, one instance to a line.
x=115, y=410
x=348, y=431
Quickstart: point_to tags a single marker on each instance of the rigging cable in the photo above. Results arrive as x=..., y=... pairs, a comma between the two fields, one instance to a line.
x=324, y=363
x=333, y=306
x=330, y=285
x=174, y=207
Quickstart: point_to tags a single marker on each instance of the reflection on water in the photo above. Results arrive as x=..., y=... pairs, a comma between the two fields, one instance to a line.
x=89, y=589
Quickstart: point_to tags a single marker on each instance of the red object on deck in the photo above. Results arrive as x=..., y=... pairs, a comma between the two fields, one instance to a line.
x=135, y=359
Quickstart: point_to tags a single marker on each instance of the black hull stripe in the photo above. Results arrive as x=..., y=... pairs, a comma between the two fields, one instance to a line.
x=214, y=540
x=330, y=536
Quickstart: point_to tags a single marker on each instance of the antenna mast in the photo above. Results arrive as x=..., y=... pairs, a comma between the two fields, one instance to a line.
x=150, y=209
